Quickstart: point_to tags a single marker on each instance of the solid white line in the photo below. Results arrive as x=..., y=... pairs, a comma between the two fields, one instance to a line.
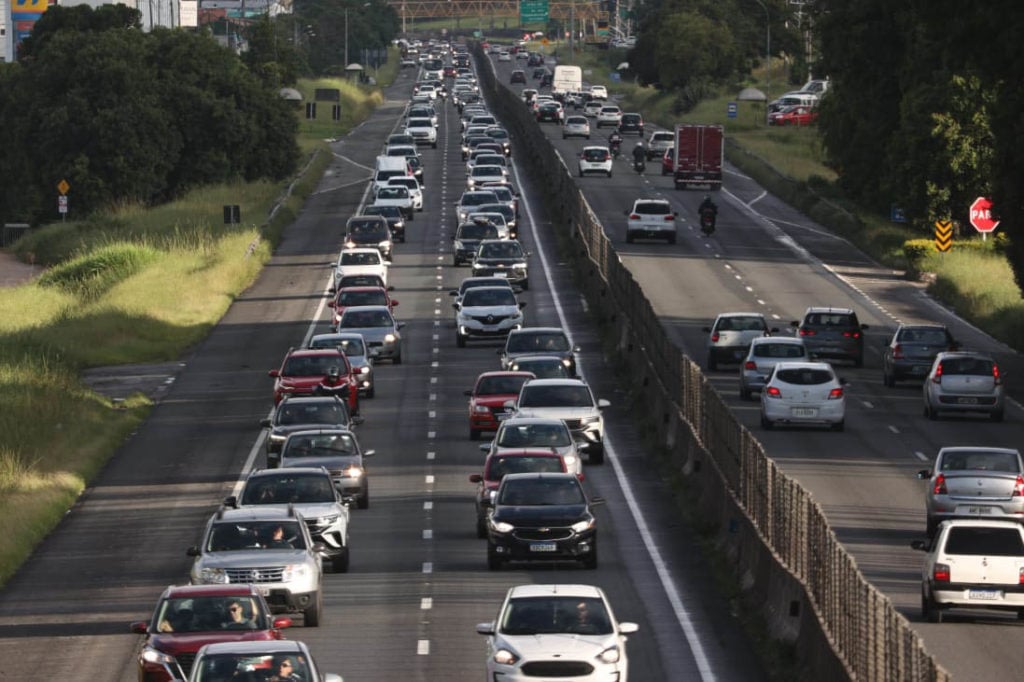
x=682, y=614
x=423, y=647
x=893, y=429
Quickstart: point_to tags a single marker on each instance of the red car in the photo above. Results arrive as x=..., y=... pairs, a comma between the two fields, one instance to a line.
x=306, y=371
x=350, y=296
x=189, y=616
x=498, y=464
x=795, y=115
x=668, y=161
x=487, y=399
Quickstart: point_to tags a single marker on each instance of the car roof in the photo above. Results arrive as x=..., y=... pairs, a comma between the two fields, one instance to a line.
x=952, y=354
x=562, y=381
x=490, y=288
x=290, y=471
x=331, y=430
x=541, y=475
x=363, y=288
x=359, y=308
x=313, y=352
x=979, y=523
x=268, y=646
x=975, y=448
x=596, y=146
x=526, y=452
x=722, y=315
x=257, y=513
x=527, y=421
x=828, y=309
x=802, y=365
x=535, y=330
x=788, y=340
x=230, y=590
x=505, y=373
x=561, y=590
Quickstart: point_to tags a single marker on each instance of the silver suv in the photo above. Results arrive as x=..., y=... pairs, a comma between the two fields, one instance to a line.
x=311, y=491
x=571, y=401
x=269, y=547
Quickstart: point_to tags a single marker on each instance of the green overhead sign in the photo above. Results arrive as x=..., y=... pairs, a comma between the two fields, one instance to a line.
x=532, y=11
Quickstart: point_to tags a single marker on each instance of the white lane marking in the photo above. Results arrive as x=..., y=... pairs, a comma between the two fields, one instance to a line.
x=433, y=396
x=428, y=566
x=431, y=414
x=428, y=534
x=431, y=435
x=429, y=479
x=893, y=429
x=867, y=404
x=921, y=456
x=423, y=647
x=758, y=198
x=431, y=455
x=428, y=505
x=426, y=603
x=681, y=612
x=761, y=302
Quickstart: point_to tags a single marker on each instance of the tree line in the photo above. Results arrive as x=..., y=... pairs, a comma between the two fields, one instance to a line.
x=128, y=117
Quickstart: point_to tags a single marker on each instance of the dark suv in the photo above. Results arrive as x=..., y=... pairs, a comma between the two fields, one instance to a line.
x=369, y=231
x=541, y=516
x=631, y=123
x=832, y=333
x=394, y=216
x=300, y=413
x=540, y=340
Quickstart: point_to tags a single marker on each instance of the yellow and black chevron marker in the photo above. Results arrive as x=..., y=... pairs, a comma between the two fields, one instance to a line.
x=943, y=235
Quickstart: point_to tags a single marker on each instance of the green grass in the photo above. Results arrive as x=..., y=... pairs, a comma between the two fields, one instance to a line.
x=105, y=299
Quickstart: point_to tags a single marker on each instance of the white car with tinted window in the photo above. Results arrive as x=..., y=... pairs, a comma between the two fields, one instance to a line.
x=422, y=131
x=595, y=160
x=609, y=115
x=806, y=393
x=568, y=631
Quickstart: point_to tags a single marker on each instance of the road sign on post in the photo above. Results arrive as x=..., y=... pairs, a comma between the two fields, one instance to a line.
x=981, y=216
x=531, y=11
x=943, y=235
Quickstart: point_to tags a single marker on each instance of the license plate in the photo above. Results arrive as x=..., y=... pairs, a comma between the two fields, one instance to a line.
x=917, y=369
x=542, y=547
x=984, y=511
x=983, y=594
x=503, y=415
x=804, y=412
x=967, y=401
x=265, y=591
x=499, y=274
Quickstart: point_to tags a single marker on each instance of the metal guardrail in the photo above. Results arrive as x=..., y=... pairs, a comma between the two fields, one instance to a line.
x=867, y=634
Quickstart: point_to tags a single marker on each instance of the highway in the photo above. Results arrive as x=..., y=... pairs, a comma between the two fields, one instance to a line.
x=418, y=583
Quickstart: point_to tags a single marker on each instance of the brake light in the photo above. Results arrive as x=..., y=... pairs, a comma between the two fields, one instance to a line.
x=854, y=335
x=670, y=217
x=634, y=216
x=714, y=337
x=835, y=394
x=750, y=364
x=1020, y=577
x=940, y=573
x=807, y=332
x=773, y=392
x=939, y=488
x=1018, y=487
x=897, y=352
x=938, y=374
x=995, y=374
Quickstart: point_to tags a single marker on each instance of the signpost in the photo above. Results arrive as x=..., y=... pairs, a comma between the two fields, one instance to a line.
x=532, y=11
x=731, y=109
x=981, y=217
x=943, y=235
x=62, y=200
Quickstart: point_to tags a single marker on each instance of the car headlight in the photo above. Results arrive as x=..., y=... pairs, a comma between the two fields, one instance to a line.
x=458, y=244
x=327, y=520
x=567, y=362
x=277, y=438
x=590, y=420
x=390, y=338
x=352, y=472
x=294, y=572
x=610, y=655
x=501, y=526
x=570, y=461
x=384, y=245
x=478, y=266
x=151, y=655
x=349, y=244
x=213, y=576
x=482, y=409
x=519, y=266
x=585, y=524
x=505, y=657
x=364, y=370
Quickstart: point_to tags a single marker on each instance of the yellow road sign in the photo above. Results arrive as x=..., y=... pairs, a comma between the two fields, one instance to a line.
x=943, y=235
x=63, y=186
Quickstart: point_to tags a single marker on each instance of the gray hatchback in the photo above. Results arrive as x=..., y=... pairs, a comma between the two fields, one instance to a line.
x=832, y=333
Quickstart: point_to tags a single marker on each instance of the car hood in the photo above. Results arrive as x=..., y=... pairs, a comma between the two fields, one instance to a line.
x=496, y=400
x=559, y=646
x=330, y=463
x=558, y=412
x=541, y=515
x=254, y=557
x=495, y=310
x=191, y=642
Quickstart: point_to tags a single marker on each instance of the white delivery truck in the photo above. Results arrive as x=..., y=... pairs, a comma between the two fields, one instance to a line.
x=566, y=79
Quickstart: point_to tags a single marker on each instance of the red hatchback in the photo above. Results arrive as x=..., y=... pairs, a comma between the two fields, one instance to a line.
x=189, y=616
x=487, y=399
x=352, y=296
x=506, y=462
x=796, y=115
x=307, y=372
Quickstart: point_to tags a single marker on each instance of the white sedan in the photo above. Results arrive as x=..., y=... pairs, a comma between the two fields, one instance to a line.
x=803, y=393
x=561, y=629
x=608, y=115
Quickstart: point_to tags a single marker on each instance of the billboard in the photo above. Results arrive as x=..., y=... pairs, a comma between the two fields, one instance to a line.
x=24, y=14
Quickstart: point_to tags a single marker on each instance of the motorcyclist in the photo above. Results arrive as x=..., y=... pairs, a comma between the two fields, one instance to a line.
x=708, y=205
x=639, y=154
x=615, y=142
x=335, y=384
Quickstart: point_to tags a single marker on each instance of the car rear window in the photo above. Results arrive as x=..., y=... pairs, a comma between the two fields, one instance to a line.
x=967, y=366
x=927, y=336
x=966, y=460
x=595, y=154
x=779, y=350
x=984, y=541
x=752, y=323
x=652, y=208
x=831, y=320
x=805, y=377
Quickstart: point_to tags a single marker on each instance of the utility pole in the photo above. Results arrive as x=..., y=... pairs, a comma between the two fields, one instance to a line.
x=767, y=45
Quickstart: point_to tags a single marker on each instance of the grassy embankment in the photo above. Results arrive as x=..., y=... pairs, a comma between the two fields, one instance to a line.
x=132, y=285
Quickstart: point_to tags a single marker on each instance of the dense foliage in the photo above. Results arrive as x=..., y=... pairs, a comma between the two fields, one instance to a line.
x=371, y=25
x=925, y=111
x=125, y=116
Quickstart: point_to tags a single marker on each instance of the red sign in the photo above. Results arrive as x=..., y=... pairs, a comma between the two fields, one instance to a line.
x=981, y=215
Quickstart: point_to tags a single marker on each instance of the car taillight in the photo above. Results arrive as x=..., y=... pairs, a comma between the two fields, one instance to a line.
x=1020, y=577
x=940, y=573
x=938, y=374
x=670, y=217
x=897, y=352
x=634, y=216
x=835, y=394
x=750, y=364
x=995, y=374
x=715, y=337
x=1018, y=487
x=807, y=332
x=773, y=392
x=854, y=335
x=939, y=488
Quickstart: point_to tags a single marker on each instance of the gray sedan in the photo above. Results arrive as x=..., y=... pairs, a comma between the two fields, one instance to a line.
x=378, y=327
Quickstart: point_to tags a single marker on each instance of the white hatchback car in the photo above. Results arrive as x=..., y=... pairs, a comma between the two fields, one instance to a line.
x=803, y=393
x=595, y=160
x=972, y=564
x=609, y=115
x=576, y=126
x=563, y=630
x=651, y=219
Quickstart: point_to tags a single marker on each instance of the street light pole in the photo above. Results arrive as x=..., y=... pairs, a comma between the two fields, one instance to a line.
x=767, y=44
x=346, y=39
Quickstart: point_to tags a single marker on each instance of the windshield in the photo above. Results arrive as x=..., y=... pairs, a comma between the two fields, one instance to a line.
x=290, y=413
x=481, y=297
x=932, y=337
x=231, y=536
x=556, y=396
x=320, y=445
x=355, y=319
x=551, y=615
x=554, y=341
x=310, y=365
x=500, y=385
x=534, y=436
x=286, y=488
x=564, y=490
x=652, y=208
x=231, y=667
x=478, y=198
x=360, y=258
x=392, y=193
x=542, y=368
x=502, y=465
x=353, y=298
x=201, y=614
x=501, y=250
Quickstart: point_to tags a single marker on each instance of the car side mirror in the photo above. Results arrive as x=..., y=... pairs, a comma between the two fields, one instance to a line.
x=231, y=501
x=332, y=304
x=485, y=628
x=467, y=392
x=920, y=545
x=509, y=405
x=485, y=447
x=522, y=304
x=139, y=627
x=265, y=423
x=355, y=420
x=924, y=474
x=274, y=373
x=281, y=622
x=575, y=349
x=318, y=547
x=390, y=287
x=864, y=326
x=394, y=303
x=369, y=453
x=794, y=323
x=453, y=293
x=193, y=551
x=399, y=325
x=476, y=478
x=602, y=403
x=706, y=329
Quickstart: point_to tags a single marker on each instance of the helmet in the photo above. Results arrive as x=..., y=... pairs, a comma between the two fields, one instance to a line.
x=333, y=372
x=640, y=143
x=707, y=197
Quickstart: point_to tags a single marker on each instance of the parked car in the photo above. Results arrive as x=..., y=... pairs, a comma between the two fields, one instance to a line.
x=188, y=617
x=651, y=219
x=488, y=396
x=973, y=481
x=912, y=350
x=488, y=313
x=964, y=381
x=281, y=660
x=803, y=393
x=730, y=336
x=339, y=452
x=972, y=564
x=534, y=624
x=269, y=547
x=832, y=333
x=765, y=352
x=595, y=159
x=542, y=516
x=570, y=400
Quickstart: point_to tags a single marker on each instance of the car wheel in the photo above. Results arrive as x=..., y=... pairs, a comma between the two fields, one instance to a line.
x=859, y=360
x=671, y=239
x=930, y=610
x=766, y=423
x=434, y=145
x=397, y=360
x=339, y=564
x=481, y=528
x=629, y=238
x=460, y=340
x=564, y=136
x=838, y=426
x=474, y=434
x=596, y=454
x=996, y=416
x=930, y=412
x=363, y=502
x=456, y=262
x=494, y=561
x=889, y=380
x=371, y=391
x=712, y=362
x=930, y=526
x=609, y=174
x=588, y=137
x=590, y=560
x=581, y=173
x=311, y=615
x=744, y=393
x=525, y=285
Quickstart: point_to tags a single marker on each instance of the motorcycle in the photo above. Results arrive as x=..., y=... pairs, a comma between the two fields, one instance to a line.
x=639, y=165
x=707, y=221
x=616, y=148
